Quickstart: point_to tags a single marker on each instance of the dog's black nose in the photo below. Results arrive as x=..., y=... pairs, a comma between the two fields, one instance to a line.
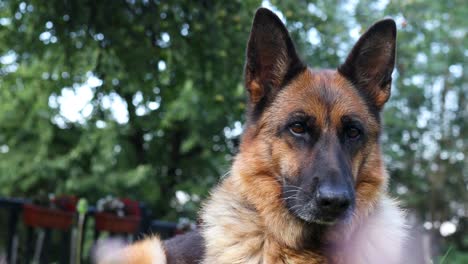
x=333, y=200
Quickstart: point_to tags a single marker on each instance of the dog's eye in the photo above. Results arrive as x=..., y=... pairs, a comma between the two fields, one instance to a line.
x=353, y=133
x=297, y=128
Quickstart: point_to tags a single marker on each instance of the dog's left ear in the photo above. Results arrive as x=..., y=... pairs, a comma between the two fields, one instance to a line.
x=370, y=64
x=271, y=57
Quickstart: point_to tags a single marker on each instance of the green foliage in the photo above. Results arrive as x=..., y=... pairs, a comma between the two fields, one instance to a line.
x=176, y=68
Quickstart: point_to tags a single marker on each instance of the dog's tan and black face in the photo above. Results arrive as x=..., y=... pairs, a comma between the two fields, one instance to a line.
x=312, y=136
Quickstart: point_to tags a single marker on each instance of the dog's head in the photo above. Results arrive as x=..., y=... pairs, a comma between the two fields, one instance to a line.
x=315, y=133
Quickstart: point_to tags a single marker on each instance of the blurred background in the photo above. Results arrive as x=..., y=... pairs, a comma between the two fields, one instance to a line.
x=144, y=99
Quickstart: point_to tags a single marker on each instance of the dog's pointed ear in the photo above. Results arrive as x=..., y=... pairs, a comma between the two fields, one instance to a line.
x=370, y=64
x=271, y=57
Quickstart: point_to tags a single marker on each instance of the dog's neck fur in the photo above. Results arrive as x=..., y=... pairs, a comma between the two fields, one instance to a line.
x=241, y=229
x=236, y=232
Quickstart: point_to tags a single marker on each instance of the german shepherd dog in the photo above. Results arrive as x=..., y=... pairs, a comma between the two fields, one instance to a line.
x=308, y=184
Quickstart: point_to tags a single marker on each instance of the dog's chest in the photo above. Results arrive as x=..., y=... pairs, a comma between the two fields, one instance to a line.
x=258, y=250
x=235, y=234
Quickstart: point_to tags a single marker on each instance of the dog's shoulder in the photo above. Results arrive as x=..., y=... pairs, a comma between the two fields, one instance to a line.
x=182, y=249
x=147, y=251
x=234, y=232
x=185, y=249
x=231, y=228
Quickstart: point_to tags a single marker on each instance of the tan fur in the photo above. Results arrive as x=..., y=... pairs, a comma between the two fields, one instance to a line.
x=147, y=251
x=236, y=233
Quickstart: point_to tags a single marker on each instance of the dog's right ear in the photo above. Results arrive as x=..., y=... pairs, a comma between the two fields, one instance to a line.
x=371, y=61
x=271, y=58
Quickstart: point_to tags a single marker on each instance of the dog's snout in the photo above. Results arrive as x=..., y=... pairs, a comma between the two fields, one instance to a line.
x=333, y=200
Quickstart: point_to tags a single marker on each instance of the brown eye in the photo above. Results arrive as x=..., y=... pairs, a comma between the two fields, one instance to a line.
x=297, y=128
x=353, y=133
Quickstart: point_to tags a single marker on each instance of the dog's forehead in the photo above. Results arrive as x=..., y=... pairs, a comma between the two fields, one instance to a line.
x=324, y=94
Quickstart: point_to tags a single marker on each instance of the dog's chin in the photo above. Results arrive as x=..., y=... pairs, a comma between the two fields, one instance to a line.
x=320, y=218
x=312, y=219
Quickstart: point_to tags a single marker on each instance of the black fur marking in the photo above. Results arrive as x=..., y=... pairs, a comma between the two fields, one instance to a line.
x=271, y=61
x=186, y=248
x=370, y=64
x=352, y=145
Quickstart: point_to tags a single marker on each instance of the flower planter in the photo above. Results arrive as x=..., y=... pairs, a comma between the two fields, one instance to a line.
x=42, y=217
x=112, y=223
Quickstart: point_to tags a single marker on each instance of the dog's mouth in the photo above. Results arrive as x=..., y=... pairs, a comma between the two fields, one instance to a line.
x=309, y=214
x=309, y=209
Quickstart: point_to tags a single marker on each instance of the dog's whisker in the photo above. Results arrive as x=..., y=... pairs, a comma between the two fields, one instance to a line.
x=296, y=206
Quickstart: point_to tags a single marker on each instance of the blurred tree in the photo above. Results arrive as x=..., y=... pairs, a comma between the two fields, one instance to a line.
x=159, y=86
